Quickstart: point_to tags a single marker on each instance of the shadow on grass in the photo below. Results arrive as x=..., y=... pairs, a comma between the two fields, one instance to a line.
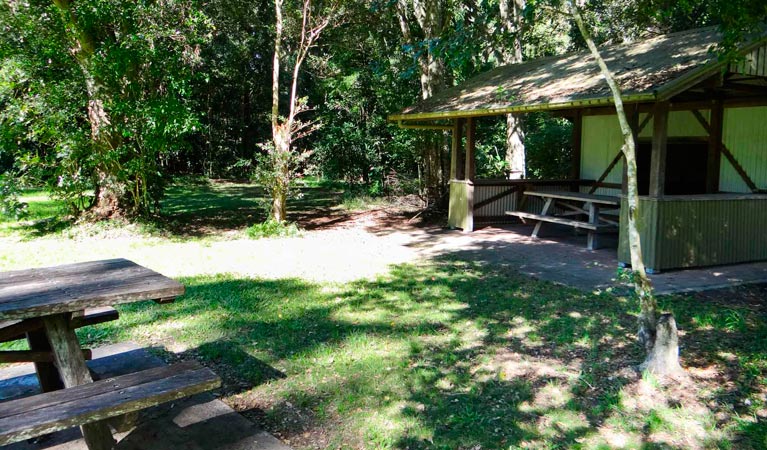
x=452, y=355
x=209, y=209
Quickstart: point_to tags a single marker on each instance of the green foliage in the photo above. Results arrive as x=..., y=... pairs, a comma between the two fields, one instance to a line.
x=10, y=205
x=147, y=54
x=548, y=143
x=272, y=228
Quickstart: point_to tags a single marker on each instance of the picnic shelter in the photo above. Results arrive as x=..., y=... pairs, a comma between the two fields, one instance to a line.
x=700, y=124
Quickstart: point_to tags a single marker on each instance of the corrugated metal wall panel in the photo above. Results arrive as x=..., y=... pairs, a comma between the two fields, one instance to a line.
x=702, y=231
x=498, y=207
x=647, y=224
x=745, y=135
x=511, y=202
x=711, y=232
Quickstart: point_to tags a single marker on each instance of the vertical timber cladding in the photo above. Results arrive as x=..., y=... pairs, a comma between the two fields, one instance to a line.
x=745, y=135
x=754, y=63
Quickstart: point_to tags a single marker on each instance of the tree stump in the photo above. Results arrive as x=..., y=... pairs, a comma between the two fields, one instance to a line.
x=663, y=359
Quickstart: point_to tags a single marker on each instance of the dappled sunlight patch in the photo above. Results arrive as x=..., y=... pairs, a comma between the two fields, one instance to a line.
x=554, y=394
x=667, y=413
x=612, y=438
x=512, y=365
x=559, y=422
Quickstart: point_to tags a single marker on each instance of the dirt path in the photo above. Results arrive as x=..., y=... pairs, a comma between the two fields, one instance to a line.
x=345, y=251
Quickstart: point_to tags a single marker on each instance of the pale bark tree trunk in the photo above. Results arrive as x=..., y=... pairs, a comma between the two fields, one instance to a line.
x=286, y=130
x=280, y=133
x=110, y=191
x=431, y=17
x=659, y=337
x=511, y=18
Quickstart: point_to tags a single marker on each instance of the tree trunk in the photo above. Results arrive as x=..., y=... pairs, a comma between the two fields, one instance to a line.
x=515, y=147
x=511, y=18
x=663, y=358
x=110, y=190
x=431, y=17
x=666, y=360
x=281, y=171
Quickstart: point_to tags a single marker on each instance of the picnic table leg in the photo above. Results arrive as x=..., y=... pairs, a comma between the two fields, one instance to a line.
x=47, y=375
x=71, y=364
x=593, y=239
x=544, y=212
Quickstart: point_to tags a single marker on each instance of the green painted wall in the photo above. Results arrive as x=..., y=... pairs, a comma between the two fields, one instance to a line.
x=680, y=124
x=460, y=214
x=745, y=135
x=602, y=139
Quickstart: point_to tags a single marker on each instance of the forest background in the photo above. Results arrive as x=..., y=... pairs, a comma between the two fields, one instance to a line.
x=99, y=95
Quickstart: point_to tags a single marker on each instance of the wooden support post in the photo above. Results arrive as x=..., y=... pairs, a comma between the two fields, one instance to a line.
x=544, y=212
x=47, y=375
x=71, y=364
x=456, y=154
x=714, y=147
x=592, y=242
x=577, y=137
x=471, y=164
x=659, y=148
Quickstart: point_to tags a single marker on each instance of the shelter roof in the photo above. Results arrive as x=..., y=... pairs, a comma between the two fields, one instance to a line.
x=647, y=70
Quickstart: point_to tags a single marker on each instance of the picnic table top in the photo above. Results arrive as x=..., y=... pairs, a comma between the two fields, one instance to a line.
x=74, y=287
x=578, y=196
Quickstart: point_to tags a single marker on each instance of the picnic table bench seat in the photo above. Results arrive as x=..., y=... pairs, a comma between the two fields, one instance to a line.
x=589, y=205
x=41, y=414
x=560, y=220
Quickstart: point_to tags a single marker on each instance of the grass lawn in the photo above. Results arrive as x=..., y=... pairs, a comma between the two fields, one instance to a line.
x=447, y=354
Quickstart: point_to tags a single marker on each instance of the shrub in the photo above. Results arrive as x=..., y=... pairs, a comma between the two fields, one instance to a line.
x=273, y=228
x=10, y=206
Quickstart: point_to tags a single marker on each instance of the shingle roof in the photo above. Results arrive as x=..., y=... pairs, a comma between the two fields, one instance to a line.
x=643, y=69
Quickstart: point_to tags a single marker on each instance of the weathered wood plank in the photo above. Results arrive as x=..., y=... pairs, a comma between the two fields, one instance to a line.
x=73, y=371
x=27, y=404
x=47, y=375
x=559, y=220
x=101, y=400
x=12, y=330
x=577, y=196
x=17, y=356
x=54, y=290
x=544, y=213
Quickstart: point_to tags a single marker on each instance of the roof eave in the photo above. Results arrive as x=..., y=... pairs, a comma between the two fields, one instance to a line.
x=534, y=107
x=690, y=79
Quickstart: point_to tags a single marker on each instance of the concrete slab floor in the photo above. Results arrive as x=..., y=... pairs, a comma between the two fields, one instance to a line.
x=561, y=256
x=201, y=422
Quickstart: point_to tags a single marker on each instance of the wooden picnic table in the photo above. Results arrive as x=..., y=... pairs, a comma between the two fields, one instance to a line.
x=56, y=296
x=576, y=204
